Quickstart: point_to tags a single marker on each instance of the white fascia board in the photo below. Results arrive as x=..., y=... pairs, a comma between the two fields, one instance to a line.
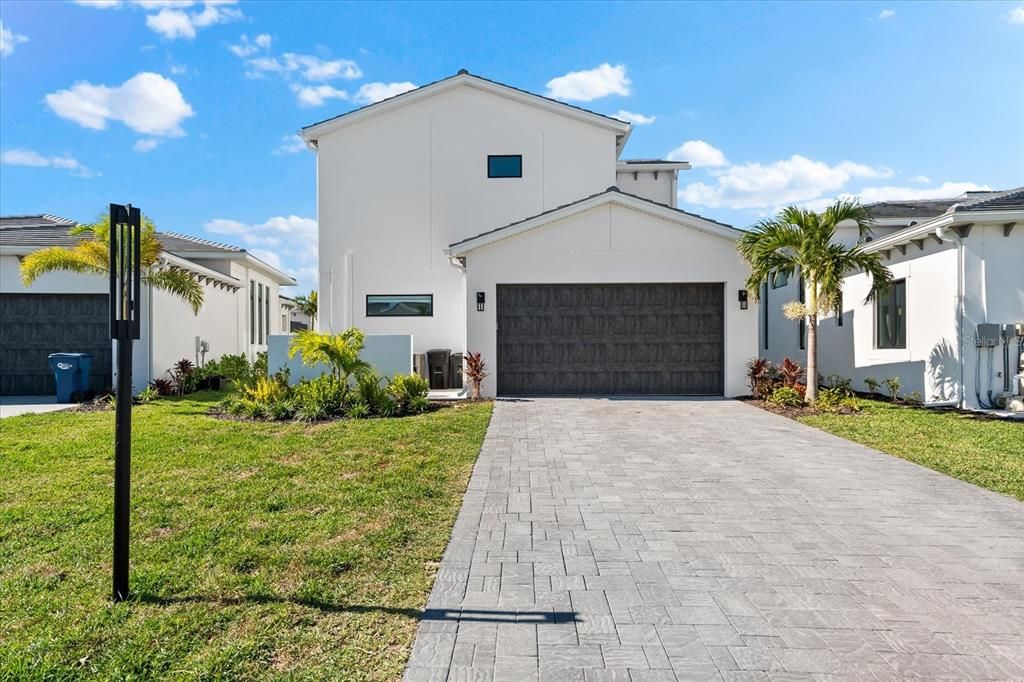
x=926, y=228
x=664, y=212
x=624, y=166
x=195, y=268
x=318, y=130
x=279, y=277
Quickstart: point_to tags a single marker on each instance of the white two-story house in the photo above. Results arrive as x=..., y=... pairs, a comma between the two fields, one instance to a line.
x=479, y=217
x=951, y=327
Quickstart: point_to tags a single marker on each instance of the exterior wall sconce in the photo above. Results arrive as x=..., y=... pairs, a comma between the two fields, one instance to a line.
x=479, y=301
x=743, y=299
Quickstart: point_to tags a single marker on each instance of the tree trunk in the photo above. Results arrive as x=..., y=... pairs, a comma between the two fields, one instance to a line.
x=812, y=359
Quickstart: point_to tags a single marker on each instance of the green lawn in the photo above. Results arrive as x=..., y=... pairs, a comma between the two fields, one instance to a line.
x=258, y=550
x=985, y=452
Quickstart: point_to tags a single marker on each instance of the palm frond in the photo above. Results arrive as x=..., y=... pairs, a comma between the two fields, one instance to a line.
x=56, y=259
x=180, y=283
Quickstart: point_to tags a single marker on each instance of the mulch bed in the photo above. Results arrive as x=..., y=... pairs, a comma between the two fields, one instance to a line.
x=792, y=412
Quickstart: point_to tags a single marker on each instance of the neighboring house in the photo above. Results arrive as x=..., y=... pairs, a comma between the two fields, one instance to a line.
x=293, y=319
x=956, y=264
x=68, y=312
x=476, y=216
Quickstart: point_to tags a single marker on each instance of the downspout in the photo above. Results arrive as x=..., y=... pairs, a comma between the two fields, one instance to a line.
x=951, y=237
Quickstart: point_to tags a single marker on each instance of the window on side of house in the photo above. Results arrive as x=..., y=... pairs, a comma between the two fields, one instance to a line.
x=400, y=305
x=803, y=320
x=266, y=306
x=505, y=166
x=839, y=311
x=779, y=280
x=891, y=316
x=764, y=312
x=252, y=311
x=259, y=308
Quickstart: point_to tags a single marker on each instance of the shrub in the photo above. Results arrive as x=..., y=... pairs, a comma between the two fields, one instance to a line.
x=357, y=409
x=759, y=376
x=405, y=389
x=893, y=384
x=476, y=372
x=162, y=386
x=790, y=372
x=840, y=383
x=419, y=404
x=915, y=397
x=836, y=399
x=319, y=399
x=872, y=384
x=264, y=391
x=147, y=395
x=235, y=368
x=259, y=365
x=339, y=351
x=786, y=396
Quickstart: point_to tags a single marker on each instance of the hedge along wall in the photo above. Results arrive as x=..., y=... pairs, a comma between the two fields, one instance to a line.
x=390, y=354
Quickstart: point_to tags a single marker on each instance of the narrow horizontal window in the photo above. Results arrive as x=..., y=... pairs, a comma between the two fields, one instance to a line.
x=401, y=305
x=505, y=166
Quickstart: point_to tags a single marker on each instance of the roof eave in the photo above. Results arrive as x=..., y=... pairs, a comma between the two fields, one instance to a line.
x=314, y=132
x=924, y=229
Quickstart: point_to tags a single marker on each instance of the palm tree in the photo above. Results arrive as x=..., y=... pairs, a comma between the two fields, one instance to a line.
x=308, y=305
x=340, y=351
x=92, y=255
x=801, y=240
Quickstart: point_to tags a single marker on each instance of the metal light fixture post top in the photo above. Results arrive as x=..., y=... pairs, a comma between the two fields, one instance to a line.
x=125, y=271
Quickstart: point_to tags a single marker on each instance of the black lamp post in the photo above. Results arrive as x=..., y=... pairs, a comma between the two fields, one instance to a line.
x=125, y=295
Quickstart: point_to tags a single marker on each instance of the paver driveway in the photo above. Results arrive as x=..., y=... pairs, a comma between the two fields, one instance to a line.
x=660, y=540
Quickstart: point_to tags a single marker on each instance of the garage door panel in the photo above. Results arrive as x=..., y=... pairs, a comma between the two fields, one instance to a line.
x=34, y=325
x=610, y=338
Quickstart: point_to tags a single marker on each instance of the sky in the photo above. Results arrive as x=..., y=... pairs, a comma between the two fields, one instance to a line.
x=190, y=110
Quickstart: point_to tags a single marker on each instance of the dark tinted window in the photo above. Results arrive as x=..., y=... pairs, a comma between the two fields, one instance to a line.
x=891, y=316
x=505, y=166
x=416, y=305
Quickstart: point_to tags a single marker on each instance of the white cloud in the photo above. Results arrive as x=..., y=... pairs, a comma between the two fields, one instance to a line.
x=245, y=48
x=886, y=14
x=293, y=238
x=637, y=119
x=169, y=18
x=371, y=93
x=316, y=95
x=146, y=144
x=9, y=40
x=584, y=86
x=28, y=157
x=794, y=180
x=1016, y=15
x=946, y=190
x=923, y=179
x=148, y=103
x=698, y=153
x=291, y=144
x=307, y=66
x=178, y=69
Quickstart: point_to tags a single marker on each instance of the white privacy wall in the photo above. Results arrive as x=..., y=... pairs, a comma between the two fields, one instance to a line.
x=395, y=190
x=611, y=244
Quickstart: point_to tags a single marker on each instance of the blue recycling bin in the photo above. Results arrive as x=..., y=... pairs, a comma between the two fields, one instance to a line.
x=71, y=373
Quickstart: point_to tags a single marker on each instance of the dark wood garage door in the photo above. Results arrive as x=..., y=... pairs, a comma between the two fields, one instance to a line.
x=647, y=339
x=34, y=325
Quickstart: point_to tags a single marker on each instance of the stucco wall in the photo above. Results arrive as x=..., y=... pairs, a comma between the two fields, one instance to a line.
x=396, y=190
x=659, y=186
x=611, y=244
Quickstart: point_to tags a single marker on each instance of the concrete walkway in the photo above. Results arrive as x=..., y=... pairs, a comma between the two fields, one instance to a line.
x=639, y=540
x=12, y=406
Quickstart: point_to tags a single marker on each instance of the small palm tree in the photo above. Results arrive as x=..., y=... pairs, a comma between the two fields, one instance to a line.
x=340, y=351
x=801, y=240
x=308, y=305
x=92, y=255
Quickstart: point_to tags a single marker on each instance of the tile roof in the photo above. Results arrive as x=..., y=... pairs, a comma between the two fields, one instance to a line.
x=44, y=231
x=926, y=208
x=1010, y=200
